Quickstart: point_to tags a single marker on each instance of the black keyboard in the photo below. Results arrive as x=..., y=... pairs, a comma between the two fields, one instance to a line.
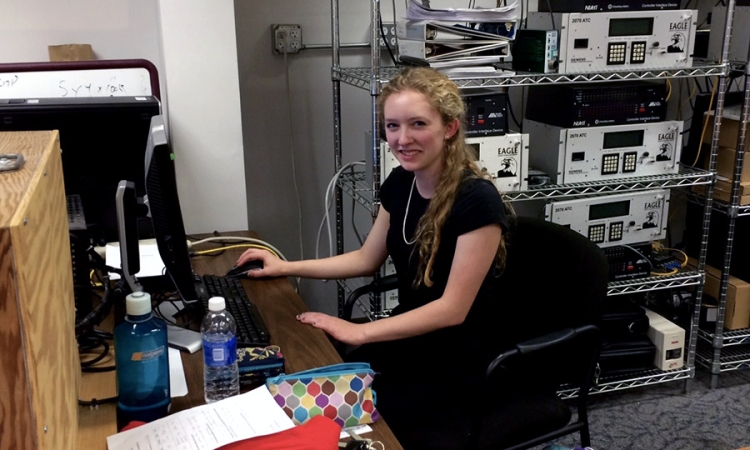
x=251, y=331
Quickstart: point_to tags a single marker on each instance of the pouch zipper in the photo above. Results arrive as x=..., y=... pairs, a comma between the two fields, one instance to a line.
x=332, y=370
x=260, y=367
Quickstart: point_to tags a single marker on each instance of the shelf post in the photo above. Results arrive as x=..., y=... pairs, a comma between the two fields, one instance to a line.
x=724, y=281
x=336, y=66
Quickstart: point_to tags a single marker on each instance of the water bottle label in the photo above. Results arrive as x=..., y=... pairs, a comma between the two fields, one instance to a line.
x=148, y=354
x=220, y=353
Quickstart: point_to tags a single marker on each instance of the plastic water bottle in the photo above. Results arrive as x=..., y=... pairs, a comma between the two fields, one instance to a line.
x=220, y=374
x=142, y=362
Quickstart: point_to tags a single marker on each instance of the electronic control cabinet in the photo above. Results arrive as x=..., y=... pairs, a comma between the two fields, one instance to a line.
x=571, y=155
x=486, y=113
x=619, y=219
x=504, y=158
x=580, y=105
x=627, y=40
x=535, y=51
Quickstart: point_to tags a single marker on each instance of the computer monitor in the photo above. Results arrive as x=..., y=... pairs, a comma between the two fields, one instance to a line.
x=102, y=140
x=166, y=215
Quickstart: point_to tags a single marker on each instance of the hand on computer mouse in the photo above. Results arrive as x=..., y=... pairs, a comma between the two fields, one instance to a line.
x=264, y=263
x=242, y=269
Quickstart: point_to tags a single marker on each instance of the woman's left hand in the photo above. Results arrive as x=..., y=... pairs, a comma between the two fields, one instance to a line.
x=339, y=329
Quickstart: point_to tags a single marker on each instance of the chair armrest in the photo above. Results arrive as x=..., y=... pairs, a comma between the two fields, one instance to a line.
x=376, y=287
x=553, y=339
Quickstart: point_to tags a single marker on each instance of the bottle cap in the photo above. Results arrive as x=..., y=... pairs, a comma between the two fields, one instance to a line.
x=138, y=303
x=216, y=304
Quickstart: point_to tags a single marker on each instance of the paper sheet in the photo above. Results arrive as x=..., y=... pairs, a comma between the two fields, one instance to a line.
x=177, y=381
x=359, y=429
x=151, y=263
x=208, y=427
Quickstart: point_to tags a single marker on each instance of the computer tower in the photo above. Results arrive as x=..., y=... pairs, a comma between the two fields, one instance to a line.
x=79, y=244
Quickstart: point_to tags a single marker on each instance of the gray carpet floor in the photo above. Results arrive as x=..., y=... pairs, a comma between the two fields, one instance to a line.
x=665, y=417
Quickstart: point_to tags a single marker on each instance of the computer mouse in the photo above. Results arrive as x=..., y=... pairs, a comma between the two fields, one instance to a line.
x=241, y=270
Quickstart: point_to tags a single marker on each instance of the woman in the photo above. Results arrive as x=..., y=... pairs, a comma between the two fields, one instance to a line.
x=442, y=224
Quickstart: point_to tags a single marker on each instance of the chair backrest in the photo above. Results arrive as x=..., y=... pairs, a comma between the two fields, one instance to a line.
x=555, y=278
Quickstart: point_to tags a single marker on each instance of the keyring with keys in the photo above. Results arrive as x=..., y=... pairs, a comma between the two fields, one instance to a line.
x=358, y=443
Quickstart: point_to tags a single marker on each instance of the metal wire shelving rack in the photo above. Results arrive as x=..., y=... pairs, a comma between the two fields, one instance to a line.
x=355, y=184
x=725, y=350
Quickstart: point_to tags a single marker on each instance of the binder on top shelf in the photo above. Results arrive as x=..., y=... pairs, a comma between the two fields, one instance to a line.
x=425, y=30
x=433, y=51
x=431, y=42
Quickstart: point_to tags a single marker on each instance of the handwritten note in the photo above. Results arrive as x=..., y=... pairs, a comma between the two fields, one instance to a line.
x=129, y=81
x=208, y=427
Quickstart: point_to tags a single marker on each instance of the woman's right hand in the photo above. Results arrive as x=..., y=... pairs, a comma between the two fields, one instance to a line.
x=272, y=265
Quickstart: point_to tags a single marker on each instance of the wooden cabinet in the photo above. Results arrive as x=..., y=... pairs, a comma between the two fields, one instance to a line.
x=39, y=364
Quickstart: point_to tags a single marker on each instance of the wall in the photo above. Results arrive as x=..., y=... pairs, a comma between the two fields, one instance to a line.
x=200, y=62
x=272, y=197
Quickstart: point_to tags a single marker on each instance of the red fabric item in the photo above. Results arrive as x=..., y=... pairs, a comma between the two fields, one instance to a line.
x=133, y=424
x=320, y=433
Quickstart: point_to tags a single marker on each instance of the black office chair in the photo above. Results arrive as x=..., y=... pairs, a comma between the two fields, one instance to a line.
x=551, y=292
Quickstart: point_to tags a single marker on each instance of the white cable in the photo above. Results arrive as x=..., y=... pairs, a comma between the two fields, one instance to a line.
x=328, y=201
x=326, y=217
x=639, y=254
x=395, y=20
x=291, y=148
x=324, y=220
x=238, y=238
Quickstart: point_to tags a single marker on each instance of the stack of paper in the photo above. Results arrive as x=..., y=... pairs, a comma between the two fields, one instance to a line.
x=208, y=427
x=416, y=11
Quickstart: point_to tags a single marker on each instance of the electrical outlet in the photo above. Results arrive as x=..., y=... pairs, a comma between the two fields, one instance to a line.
x=286, y=38
x=388, y=33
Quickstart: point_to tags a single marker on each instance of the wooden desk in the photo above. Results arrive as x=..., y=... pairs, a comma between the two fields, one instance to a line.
x=304, y=348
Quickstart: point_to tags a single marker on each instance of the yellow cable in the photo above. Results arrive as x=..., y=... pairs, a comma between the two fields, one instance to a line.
x=692, y=94
x=91, y=278
x=663, y=274
x=684, y=255
x=705, y=122
x=669, y=90
x=220, y=249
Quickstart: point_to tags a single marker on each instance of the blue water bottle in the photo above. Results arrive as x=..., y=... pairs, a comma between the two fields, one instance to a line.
x=142, y=363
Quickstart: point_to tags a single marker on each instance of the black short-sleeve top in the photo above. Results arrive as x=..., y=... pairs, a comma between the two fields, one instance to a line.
x=478, y=203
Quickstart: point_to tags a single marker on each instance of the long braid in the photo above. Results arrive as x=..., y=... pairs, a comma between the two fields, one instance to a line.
x=431, y=223
x=444, y=96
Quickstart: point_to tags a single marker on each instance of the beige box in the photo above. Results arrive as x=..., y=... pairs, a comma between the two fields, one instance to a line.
x=737, y=308
x=39, y=366
x=669, y=340
x=725, y=160
x=730, y=127
x=723, y=192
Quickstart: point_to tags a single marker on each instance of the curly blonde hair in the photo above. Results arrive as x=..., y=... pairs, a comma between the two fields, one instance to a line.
x=444, y=96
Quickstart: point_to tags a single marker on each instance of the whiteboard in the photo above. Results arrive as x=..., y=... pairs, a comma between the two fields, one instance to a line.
x=113, y=82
